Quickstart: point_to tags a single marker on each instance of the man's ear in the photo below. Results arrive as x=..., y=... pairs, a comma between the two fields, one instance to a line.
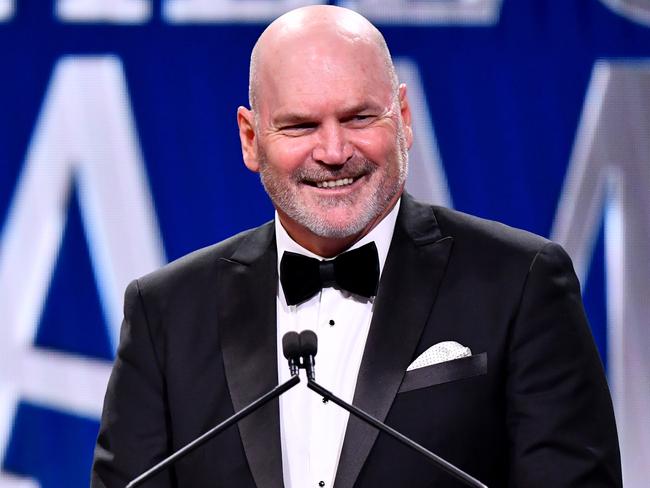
x=247, y=135
x=405, y=111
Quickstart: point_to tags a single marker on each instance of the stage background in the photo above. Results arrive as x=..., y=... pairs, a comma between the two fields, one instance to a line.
x=119, y=152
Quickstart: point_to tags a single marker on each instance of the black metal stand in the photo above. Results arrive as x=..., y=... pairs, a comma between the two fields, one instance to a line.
x=437, y=460
x=275, y=392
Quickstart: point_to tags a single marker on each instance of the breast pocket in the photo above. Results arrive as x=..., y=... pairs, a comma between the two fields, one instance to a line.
x=445, y=372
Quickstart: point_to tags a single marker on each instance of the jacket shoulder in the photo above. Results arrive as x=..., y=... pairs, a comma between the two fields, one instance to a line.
x=493, y=249
x=469, y=230
x=201, y=264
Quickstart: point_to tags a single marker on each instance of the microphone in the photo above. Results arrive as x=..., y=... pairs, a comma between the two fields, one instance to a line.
x=308, y=351
x=291, y=350
x=300, y=350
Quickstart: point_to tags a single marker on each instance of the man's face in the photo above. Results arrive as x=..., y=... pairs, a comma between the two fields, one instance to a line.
x=330, y=143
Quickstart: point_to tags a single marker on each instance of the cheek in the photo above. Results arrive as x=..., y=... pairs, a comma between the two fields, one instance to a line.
x=288, y=154
x=379, y=146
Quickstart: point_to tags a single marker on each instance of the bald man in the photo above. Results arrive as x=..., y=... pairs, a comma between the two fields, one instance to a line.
x=466, y=335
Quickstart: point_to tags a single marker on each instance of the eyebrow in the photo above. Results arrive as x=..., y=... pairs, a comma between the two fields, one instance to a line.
x=295, y=118
x=291, y=118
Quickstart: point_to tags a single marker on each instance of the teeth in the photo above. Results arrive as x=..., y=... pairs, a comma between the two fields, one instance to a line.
x=334, y=183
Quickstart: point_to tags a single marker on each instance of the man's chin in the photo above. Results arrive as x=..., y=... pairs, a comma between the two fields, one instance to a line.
x=337, y=225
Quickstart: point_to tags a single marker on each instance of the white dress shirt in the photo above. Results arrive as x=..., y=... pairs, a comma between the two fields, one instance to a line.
x=312, y=432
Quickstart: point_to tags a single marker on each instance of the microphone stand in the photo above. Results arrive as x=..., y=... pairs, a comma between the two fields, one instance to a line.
x=433, y=458
x=274, y=393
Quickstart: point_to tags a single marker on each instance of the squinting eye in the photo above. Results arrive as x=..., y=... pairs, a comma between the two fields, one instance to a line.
x=360, y=119
x=299, y=127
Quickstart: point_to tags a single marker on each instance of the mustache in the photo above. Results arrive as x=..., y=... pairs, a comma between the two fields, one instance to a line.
x=354, y=168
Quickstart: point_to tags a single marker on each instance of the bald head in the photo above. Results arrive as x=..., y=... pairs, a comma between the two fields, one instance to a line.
x=329, y=128
x=301, y=32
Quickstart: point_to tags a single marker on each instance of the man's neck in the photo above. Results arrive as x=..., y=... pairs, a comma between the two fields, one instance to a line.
x=327, y=247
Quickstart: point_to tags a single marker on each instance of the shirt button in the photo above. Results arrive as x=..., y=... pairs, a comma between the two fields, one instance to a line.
x=331, y=322
x=321, y=484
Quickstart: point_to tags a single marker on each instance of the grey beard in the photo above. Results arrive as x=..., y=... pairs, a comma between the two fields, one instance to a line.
x=283, y=199
x=373, y=207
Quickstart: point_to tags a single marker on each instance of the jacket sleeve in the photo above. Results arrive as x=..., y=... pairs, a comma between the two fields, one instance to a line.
x=560, y=418
x=133, y=435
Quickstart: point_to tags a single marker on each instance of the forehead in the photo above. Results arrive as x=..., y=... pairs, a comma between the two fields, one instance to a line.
x=320, y=72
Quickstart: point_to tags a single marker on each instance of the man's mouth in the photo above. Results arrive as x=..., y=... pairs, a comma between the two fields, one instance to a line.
x=334, y=183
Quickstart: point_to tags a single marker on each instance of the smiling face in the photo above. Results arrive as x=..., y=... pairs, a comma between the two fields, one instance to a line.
x=330, y=134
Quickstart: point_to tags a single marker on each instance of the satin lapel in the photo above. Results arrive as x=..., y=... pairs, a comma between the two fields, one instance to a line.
x=414, y=268
x=247, y=321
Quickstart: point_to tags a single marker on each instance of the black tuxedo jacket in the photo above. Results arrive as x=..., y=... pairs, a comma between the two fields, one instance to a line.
x=530, y=408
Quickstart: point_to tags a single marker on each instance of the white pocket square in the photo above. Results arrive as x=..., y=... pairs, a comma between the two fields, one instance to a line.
x=439, y=353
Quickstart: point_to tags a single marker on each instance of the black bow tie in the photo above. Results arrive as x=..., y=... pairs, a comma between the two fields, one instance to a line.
x=355, y=271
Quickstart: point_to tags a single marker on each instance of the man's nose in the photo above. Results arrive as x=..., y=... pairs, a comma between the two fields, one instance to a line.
x=332, y=146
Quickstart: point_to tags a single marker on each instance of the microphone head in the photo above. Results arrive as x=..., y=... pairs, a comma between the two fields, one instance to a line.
x=308, y=343
x=291, y=345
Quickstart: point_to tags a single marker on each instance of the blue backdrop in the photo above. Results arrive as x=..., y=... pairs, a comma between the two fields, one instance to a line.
x=119, y=151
